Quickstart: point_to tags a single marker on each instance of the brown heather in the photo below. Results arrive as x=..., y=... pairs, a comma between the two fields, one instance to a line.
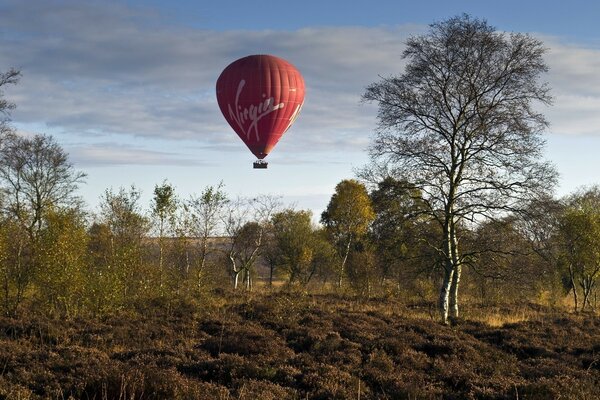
x=295, y=346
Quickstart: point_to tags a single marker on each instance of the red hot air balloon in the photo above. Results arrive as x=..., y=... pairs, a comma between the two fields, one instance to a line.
x=260, y=96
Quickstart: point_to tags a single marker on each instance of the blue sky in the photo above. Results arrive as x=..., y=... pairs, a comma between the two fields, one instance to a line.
x=127, y=87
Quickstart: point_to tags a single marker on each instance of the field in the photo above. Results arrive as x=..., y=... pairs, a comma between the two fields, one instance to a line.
x=298, y=346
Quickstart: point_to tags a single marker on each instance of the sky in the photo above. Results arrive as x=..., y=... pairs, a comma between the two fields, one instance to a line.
x=127, y=87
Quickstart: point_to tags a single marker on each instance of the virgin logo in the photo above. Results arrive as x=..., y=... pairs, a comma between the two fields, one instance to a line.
x=253, y=114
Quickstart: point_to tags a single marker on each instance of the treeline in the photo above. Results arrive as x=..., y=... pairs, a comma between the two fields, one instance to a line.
x=58, y=258
x=449, y=198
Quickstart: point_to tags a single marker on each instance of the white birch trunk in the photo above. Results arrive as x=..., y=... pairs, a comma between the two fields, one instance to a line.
x=454, y=291
x=343, y=266
x=445, y=293
x=456, y=276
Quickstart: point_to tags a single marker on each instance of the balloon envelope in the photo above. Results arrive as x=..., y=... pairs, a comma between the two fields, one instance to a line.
x=260, y=96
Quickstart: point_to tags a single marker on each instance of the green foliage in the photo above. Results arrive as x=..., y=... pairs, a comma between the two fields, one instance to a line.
x=580, y=233
x=204, y=215
x=362, y=270
x=400, y=231
x=164, y=210
x=300, y=252
x=16, y=265
x=347, y=218
x=164, y=202
x=124, y=278
x=104, y=284
x=36, y=179
x=61, y=258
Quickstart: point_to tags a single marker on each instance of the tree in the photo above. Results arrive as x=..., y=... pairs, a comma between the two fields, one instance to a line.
x=104, y=286
x=10, y=77
x=164, y=208
x=16, y=272
x=580, y=234
x=206, y=213
x=539, y=224
x=247, y=222
x=503, y=261
x=36, y=178
x=347, y=218
x=460, y=124
x=63, y=243
x=35, y=175
x=121, y=214
x=294, y=245
x=397, y=230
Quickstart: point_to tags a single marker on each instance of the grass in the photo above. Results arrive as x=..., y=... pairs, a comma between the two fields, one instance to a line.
x=299, y=346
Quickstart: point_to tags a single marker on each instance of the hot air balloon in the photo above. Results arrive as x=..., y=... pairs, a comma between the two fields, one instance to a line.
x=260, y=96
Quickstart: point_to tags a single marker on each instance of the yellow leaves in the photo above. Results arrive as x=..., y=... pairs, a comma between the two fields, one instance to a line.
x=349, y=212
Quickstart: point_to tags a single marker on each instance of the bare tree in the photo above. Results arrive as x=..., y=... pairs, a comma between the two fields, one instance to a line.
x=461, y=126
x=10, y=77
x=236, y=216
x=247, y=222
x=35, y=173
x=206, y=213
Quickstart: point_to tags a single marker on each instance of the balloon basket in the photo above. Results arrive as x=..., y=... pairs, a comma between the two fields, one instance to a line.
x=260, y=164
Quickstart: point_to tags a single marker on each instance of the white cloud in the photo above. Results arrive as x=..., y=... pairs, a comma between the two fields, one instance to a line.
x=91, y=70
x=112, y=154
x=575, y=84
x=100, y=69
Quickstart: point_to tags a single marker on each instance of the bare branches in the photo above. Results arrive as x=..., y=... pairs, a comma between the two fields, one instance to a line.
x=35, y=175
x=463, y=111
x=460, y=125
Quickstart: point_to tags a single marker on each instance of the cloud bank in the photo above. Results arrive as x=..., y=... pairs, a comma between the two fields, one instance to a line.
x=94, y=70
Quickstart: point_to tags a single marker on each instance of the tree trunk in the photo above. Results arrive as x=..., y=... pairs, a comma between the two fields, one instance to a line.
x=454, y=291
x=234, y=271
x=457, y=273
x=160, y=252
x=236, y=275
x=445, y=291
x=587, y=284
x=203, y=252
x=344, y=262
x=449, y=269
x=271, y=273
x=573, y=287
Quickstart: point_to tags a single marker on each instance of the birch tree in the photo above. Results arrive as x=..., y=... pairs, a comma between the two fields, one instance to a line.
x=36, y=175
x=164, y=208
x=206, y=213
x=462, y=124
x=36, y=178
x=247, y=223
x=347, y=218
x=580, y=237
